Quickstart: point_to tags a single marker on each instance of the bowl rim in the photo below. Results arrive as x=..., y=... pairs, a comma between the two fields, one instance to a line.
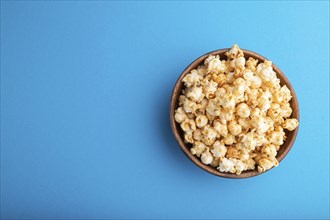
x=179, y=139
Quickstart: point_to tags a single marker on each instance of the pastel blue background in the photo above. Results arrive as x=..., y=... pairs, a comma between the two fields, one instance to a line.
x=85, y=89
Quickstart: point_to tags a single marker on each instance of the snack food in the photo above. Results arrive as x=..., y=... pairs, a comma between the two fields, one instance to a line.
x=233, y=113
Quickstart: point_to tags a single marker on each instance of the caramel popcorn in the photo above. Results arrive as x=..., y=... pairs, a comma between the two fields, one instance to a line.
x=233, y=113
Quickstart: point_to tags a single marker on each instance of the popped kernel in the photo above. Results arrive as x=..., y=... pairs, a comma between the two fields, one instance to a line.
x=201, y=70
x=189, y=106
x=240, y=63
x=250, y=164
x=206, y=157
x=209, y=135
x=265, y=164
x=226, y=165
x=291, y=124
x=234, y=113
x=188, y=126
x=188, y=138
x=286, y=110
x=212, y=107
x=214, y=65
x=234, y=128
x=277, y=137
x=244, y=123
x=197, y=135
x=232, y=152
x=215, y=162
x=243, y=110
x=219, y=78
x=269, y=150
x=229, y=139
x=234, y=51
x=195, y=94
x=180, y=115
x=201, y=121
x=191, y=78
x=251, y=63
x=228, y=101
x=249, y=142
x=240, y=167
x=198, y=148
x=219, y=149
x=209, y=88
x=220, y=128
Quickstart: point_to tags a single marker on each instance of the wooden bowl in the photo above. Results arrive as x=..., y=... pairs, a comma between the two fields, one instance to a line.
x=178, y=133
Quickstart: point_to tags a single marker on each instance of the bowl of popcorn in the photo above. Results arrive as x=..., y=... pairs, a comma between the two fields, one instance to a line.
x=234, y=113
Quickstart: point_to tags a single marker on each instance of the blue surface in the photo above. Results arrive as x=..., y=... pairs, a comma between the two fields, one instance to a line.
x=85, y=90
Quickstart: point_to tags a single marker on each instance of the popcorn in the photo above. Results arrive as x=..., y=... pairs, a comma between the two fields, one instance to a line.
x=243, y=110
x=213, y=107
x=189, y=106
x=228, y=101
x=182, y=98
x=219, y=78
x=263, y=104
x=209, y=88
x=206, y=157
x=209, y=135
x=191, y=78
x=244, y=156
x=188, y=126
x=244, y=123
x=275, y=111
x=202, y=70
x=269, y=150
x=286, y=110
x=286, y=93
x=249, y=142
x=226, y=115
x=248, y=75
x=234, y=128
x=226, y=165
x=240, y=63
x=234, y=113
x=235, y=51
x=220, y=128
x=250, y=164
x=255, y=114
x=232, y=152
x=266, y=163
x=214, y=65
x=197, y=135
x=240, y=166
x=188, y=138
x=219, y=149
x=229, y=139
x=291, y=124
x=201, y=121
x=230, y=77
x=198, y=148
x=208, y=59
x=239, y=88
x=215, y=162
x=260, y=124
x=210, y=117
x=277, y=137
x=195, y=94
x=255, y=82
x=265, y=71
x=180, y=115
x=251, y=63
